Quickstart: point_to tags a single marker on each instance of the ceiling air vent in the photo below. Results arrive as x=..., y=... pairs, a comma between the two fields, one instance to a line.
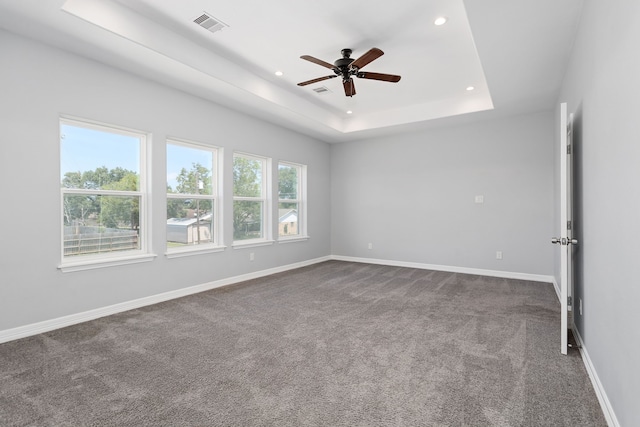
x=321, y=89
x=209, y=23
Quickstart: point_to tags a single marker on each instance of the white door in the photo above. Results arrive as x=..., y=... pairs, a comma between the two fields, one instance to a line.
x=566, y=240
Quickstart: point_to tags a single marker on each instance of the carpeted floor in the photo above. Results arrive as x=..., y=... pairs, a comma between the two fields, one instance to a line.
x=333, y=344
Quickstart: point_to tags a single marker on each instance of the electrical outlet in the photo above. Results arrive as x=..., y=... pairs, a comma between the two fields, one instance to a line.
x=499, y=255
x=370, y=246
x=252, y=256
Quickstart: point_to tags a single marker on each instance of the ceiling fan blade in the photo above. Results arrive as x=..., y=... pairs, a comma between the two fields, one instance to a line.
x=349, y=87
x=317, y=61
x=319, y=79
x=379, y=76
x=372, y=54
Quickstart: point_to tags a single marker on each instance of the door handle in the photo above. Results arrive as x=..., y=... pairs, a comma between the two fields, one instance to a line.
x=563, y=241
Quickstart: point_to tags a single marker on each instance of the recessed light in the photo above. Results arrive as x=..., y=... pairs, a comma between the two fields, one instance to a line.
x=470, y=88
x=349, y=112
x=440, y=21
x=279, y=73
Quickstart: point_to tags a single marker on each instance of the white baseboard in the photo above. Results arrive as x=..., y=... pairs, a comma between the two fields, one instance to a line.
x=61, y=322
x=556, y=286
x=607, y=409
x=451, y=269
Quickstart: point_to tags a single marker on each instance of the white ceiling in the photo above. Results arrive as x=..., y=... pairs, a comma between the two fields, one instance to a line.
x=514, y=52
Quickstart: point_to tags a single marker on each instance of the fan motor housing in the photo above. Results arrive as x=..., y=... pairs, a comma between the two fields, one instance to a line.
x=343, y=64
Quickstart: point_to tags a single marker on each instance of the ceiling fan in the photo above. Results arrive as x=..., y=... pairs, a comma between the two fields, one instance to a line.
x=346, y=67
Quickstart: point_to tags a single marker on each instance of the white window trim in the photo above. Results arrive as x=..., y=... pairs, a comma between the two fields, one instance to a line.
x=303, y=234
x=106, y=261
x=252, y=243
x=266, y=191
x=205, y=248
x=284, y=239
x=143, y=254
x=217, y=244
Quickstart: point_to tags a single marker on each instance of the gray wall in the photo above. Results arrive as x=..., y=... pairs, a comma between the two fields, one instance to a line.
x=601, y=88
x=38, y=84
x=413, y=196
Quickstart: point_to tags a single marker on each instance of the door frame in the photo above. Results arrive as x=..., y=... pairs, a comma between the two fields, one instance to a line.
x=566, y=239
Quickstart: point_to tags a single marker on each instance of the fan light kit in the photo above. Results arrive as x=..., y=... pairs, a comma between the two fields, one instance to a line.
x=346, y=67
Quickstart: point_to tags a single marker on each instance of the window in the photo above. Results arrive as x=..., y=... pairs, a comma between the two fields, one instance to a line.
x=192, y=204
x=102, y=185
x=250, y=198
x=291, y=198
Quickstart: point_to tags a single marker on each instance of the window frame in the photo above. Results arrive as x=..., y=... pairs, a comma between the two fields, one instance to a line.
x=108, y=259
x=301, y=201
x=217, y=245
x=265, y=199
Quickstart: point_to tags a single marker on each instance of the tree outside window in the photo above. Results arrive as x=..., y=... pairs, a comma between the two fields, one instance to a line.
x=249, y=197
x=288, y=207
x=101, y=188
x=291, y=200
x=191, y=194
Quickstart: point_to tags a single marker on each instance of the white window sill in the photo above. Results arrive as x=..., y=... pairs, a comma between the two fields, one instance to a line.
x=252, y=243
x=193, y=250
x=90, y=264
x=293, y=239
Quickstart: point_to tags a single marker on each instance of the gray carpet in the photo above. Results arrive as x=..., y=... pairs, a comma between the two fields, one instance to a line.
x=333, y=344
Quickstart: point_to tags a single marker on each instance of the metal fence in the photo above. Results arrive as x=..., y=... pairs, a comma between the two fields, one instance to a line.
x=88, y=240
